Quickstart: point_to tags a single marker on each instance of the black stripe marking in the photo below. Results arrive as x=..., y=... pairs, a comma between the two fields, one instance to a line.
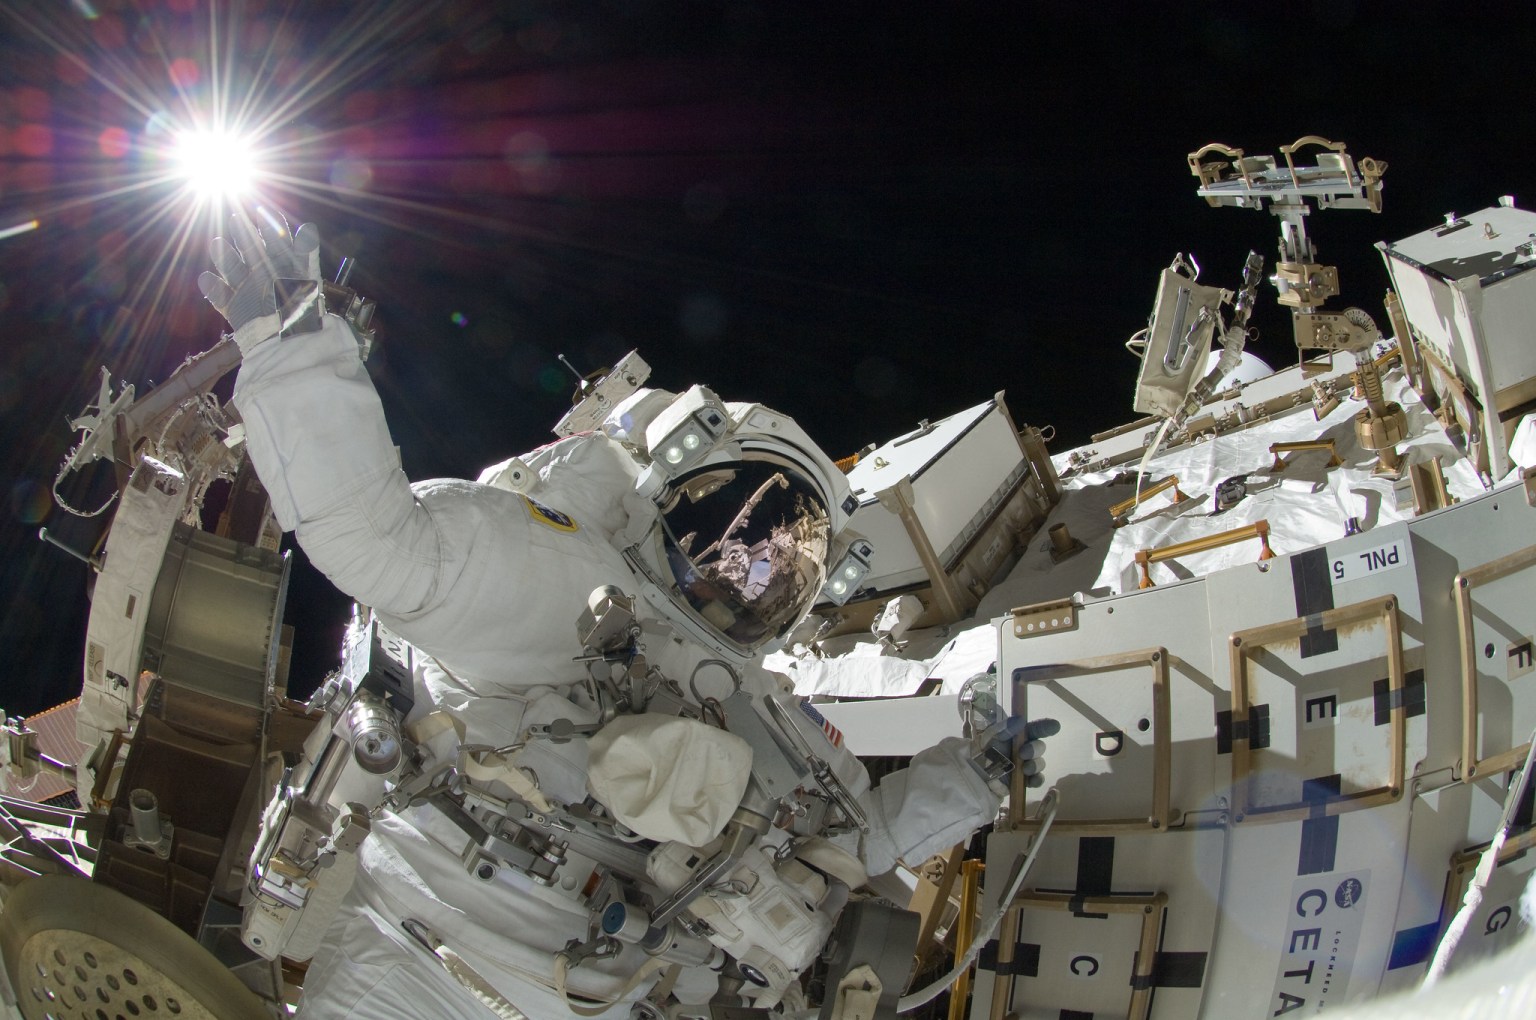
x=1413, y=946
x=1313, y=587
x=1095, y=865
x=1411, y=697
x=1179, y=970
x=1255, y=729
x=1320, y=791
x=1320, y=833
x=1074, y=1014
x=1319, y=845
x=1524, y=807
x=1025, y=962
x=1095, y=871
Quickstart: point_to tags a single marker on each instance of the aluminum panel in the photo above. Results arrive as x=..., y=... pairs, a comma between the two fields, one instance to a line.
x=1099, y=681
x=1084, y=953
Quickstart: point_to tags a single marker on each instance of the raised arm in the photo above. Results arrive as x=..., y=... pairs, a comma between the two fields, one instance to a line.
x=439, y=560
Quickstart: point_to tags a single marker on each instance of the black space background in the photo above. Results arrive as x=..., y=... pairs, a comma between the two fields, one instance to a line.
x=860, y=214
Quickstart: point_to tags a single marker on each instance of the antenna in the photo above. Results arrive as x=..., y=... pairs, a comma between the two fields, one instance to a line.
x=582, y=385
x=94, y=562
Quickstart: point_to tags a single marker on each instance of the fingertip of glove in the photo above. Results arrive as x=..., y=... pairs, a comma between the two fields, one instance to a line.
x=306, y=238
x=245, y=231
x=212, y=286
x=1043, y=728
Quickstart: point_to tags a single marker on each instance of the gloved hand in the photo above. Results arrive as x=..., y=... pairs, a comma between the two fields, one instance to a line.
x=267, y=281
x=948, y=792
x=994, y=758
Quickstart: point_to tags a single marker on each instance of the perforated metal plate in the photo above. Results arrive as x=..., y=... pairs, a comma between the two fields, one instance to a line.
x=67, y=974
x=75, y=950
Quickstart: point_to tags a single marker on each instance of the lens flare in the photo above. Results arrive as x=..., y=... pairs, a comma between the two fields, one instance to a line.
x=216, y=163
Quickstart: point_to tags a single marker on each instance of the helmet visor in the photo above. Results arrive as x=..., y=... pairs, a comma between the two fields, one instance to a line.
x=747, y=548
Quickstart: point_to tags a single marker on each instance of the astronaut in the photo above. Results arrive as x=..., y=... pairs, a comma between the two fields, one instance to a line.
x=550, y=789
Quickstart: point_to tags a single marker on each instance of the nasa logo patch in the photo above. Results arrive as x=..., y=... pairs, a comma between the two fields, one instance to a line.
x=549, y=518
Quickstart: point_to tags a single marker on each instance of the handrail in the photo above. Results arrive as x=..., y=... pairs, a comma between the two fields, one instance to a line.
x=1162, y=815
x=1150, y=907
x=1288, y=151
x=1125, y=506
x=1258, y=529
x=1279, y=449
x=1461, y=594
x=1210, y=173
x=965, y=932
x=1242, y=645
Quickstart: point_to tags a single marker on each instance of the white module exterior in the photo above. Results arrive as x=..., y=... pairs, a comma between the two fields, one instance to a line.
x=1301, y=817
x=114, y=640
x=961, y=468
x=1280, y=895
x=1470, y=297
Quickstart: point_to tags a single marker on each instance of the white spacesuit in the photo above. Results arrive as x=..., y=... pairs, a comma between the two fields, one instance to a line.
x=510, y=717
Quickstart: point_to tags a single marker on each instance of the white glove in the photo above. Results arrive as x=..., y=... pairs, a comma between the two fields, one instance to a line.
x=937, y=801
x=267, y=281
x=947, y=793
x=997, y=754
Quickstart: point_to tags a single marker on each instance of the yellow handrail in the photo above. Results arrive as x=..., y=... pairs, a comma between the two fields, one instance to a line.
x=1258, y=529
x=1280, y=449
x=1473, y=767
x=965, y=931
x=1124, y=507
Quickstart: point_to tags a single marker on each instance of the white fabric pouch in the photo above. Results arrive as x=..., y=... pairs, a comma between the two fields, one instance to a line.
x=667, y=777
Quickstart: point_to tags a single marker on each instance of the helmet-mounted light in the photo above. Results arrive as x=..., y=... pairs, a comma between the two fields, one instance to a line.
x=750, y=510
x=684, y=434
x=845, y=577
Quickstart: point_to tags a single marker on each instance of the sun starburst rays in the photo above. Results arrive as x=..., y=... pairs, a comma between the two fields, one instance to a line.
x=232, y=125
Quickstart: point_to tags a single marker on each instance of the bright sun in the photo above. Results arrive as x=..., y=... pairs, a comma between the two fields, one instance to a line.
x=216, y=163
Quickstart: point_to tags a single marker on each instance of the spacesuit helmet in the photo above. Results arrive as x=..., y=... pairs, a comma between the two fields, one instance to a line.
x=746, y=546
x=752, y=519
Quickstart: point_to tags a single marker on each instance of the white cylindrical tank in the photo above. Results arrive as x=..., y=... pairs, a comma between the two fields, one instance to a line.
x=1250, y=368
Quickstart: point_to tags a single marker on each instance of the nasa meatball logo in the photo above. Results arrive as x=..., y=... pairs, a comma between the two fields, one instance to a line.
x=549, y=518
x=1348, y=892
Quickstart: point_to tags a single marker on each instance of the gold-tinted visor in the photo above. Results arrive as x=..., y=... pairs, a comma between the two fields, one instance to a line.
x=747, y=548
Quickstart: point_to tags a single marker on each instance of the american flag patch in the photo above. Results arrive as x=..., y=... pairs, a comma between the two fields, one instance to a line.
x=833, y=734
